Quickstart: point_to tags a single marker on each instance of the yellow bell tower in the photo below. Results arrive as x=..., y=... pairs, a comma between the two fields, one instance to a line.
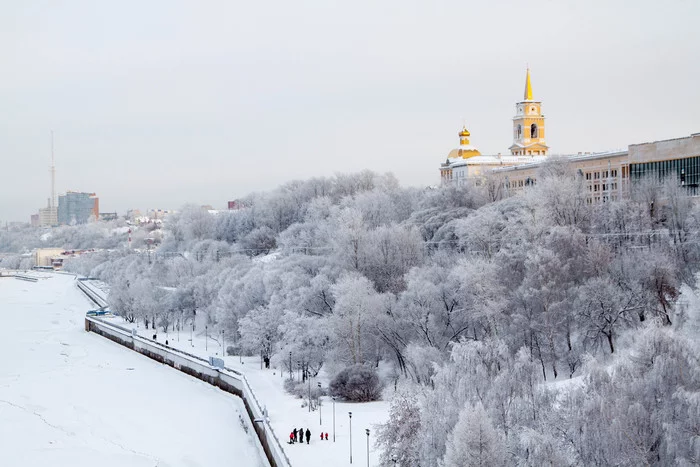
x=528, y=125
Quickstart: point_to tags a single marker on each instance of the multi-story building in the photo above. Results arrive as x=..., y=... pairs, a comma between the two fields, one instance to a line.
x=48, y=216
x=78, y=208
x=611, y=175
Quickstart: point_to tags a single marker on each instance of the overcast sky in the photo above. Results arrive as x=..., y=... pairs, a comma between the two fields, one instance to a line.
x=158, y=103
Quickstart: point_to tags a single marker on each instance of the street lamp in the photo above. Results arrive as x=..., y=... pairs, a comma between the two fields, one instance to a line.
x=291, y=374
x=350, y=415
x=191, y=331
x=206, y=335
x=333, y=397
x=367, y=431
x=223, y=343
x=307, y=377
x=319, y=404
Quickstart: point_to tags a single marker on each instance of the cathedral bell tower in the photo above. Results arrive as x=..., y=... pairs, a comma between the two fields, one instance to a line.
x=528, y=125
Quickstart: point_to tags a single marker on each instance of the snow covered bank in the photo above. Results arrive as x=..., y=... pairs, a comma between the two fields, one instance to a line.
x=70, y=398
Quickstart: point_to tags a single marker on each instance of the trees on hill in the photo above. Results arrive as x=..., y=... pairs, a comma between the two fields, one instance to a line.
x=478, y=302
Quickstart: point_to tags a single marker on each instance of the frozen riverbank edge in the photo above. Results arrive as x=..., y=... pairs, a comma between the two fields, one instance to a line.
x=227, y=380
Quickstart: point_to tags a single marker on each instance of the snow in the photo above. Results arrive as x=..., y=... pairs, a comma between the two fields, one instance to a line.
x=71, y=398
x=285, y=412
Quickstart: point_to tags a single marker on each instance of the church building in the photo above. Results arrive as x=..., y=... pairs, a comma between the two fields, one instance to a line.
x=466, y=162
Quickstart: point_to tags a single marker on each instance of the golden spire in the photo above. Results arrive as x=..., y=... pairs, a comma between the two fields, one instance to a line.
x=528, y=86
x=464, y=132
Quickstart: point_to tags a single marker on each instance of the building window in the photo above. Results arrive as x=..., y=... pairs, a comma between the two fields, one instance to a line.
x=588, y=175
x=596, y=187
x=519, y=132
x=605, y=174
x=605, y=187
x=596, y=175
x=614, y=172
x=533, y=131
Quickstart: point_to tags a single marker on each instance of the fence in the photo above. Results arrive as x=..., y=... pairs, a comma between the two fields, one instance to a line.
x=228, y=380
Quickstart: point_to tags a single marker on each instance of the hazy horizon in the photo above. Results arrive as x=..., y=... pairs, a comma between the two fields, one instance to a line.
x=154, y=105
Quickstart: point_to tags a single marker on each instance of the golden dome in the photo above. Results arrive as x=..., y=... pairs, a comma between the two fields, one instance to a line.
x=464, y=132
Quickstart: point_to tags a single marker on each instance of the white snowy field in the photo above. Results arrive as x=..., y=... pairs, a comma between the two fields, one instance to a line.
x=72, y=398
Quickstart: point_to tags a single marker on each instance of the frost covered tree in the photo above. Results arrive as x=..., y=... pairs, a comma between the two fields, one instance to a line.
x=474, y=441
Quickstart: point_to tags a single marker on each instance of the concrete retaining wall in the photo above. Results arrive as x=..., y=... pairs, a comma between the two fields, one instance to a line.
x=228, y=380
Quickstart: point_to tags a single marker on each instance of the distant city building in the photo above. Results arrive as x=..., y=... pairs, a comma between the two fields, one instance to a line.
x=48, y=216
x=235, y=205
x=78, y=208
x=34, y=220
x=44, y=256
x=108, y=216
x=133, y=214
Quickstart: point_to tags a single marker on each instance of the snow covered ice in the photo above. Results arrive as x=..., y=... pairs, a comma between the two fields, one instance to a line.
x=71, y=398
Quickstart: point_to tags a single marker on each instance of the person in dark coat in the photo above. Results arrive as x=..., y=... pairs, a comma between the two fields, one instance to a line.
x=308, y=436
x=295, y=435
x=301, y=435
x=321, y=436
x=326, y=436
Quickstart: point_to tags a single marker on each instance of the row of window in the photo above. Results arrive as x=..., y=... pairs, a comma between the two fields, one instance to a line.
x=602, y=187
x=685, y=171
x=605, y=174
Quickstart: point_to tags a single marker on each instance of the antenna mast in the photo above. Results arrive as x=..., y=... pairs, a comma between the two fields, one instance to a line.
x=53, y=175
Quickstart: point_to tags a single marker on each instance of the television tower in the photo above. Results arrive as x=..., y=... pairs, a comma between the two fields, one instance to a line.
x=53, y=176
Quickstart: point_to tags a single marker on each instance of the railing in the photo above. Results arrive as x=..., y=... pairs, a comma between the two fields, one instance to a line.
x=228, y=379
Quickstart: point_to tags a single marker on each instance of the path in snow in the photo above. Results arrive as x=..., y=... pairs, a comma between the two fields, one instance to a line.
x=71, y=398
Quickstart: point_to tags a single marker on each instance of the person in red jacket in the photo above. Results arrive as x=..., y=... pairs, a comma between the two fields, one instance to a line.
x=291, y=437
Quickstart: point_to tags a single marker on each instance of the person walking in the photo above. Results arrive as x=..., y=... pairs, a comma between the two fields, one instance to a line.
x=326, y=436
x=301, y=435
x=321, y=436
x=292, y=435
x=308, y=436
x=295, y=435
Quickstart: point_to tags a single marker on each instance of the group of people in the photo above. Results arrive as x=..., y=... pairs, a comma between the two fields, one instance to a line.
x=297, y=436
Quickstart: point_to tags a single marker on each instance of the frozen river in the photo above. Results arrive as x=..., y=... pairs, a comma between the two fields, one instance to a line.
x=72, y=398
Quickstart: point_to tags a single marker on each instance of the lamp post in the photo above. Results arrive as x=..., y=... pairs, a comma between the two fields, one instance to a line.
x=319, y=404
x=223, y=343
x=350, y=415
x=367, y=431
x=191, y=331
x=309, y=379
x=333, y=397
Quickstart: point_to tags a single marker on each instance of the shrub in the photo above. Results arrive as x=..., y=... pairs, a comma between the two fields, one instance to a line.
x=357, y=383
